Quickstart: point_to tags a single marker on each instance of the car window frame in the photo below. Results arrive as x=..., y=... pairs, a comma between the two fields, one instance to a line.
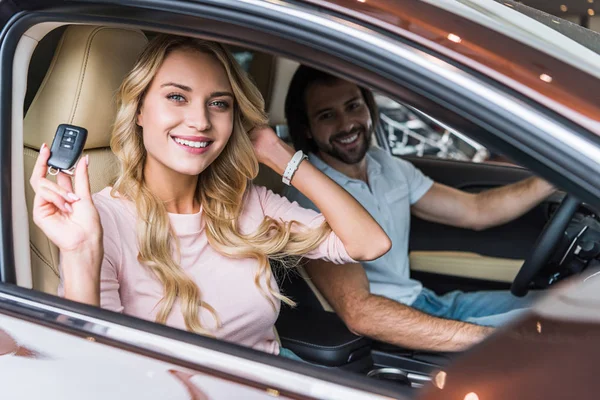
x=255, y=29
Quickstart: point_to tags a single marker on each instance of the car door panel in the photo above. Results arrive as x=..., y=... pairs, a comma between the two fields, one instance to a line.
x=494, y=254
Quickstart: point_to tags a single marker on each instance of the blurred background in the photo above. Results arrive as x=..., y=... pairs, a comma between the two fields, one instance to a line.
x=581, y=12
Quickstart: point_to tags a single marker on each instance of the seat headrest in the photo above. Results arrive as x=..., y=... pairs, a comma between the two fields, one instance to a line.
x=79, y=88
x=284, y=72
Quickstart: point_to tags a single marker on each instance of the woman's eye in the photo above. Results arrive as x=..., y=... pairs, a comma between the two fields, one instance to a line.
x=220, y=104
x=176, y=97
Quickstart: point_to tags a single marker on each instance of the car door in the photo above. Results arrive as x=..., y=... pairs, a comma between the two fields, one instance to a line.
x=54, y=349
x=40, y=362
x=447, y=258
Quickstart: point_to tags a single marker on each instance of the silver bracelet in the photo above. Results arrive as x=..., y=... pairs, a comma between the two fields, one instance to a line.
x=292, y=166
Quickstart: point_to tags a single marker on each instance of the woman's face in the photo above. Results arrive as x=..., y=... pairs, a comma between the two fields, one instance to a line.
x=187, y=114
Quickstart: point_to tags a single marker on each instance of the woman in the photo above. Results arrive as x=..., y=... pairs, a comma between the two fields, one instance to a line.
x=183, y=238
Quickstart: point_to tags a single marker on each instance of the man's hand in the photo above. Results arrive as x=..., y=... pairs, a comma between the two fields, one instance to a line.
x=346, y=288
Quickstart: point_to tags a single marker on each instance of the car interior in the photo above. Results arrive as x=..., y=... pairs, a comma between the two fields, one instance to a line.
x=76, y=68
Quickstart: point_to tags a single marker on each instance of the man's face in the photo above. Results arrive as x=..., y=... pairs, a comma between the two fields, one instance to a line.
x=339, y=120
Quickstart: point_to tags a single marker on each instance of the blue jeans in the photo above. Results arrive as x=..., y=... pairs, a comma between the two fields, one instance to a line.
x=287, y=353
x=489, y=308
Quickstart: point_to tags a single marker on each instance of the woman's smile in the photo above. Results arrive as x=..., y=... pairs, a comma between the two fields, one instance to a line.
x=193, y=144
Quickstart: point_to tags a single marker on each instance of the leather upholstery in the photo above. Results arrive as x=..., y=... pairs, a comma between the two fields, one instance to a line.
x=315, y=334
x=79, y=88
x=284, y=71
x=321, y=337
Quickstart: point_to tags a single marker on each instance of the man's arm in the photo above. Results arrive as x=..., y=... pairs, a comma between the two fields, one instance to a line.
x=347, y=289
x=449, y=206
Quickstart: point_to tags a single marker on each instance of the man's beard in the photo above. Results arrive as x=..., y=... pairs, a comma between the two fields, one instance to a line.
x=353, y=156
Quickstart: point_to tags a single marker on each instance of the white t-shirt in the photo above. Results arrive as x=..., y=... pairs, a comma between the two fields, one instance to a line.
x=394, y=185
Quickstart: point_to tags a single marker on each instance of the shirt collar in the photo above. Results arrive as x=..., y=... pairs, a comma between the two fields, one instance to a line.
x=373, y=166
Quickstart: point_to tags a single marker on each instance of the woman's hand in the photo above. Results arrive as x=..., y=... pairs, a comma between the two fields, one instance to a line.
x=67, y=217
x=70, y=220
x=270, y=149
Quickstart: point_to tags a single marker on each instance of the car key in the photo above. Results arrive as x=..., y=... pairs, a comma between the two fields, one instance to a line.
x=66, y=148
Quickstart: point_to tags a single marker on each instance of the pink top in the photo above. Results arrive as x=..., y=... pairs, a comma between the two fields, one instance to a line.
x=226, y=284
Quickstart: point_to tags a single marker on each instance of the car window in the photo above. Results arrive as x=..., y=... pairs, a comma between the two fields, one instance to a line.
x=411, y=132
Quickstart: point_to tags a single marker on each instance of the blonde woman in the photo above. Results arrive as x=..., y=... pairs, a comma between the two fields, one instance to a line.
x=183, y=237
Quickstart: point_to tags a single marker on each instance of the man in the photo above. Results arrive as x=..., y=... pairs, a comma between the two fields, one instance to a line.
x=333, y=121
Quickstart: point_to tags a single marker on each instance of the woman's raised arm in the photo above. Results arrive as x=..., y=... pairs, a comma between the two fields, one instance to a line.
x=361, y=235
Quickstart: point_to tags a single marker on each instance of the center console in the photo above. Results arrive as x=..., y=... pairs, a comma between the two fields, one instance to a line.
x=321, y=338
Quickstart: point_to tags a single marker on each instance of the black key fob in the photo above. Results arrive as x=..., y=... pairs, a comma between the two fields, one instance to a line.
x=66, y=148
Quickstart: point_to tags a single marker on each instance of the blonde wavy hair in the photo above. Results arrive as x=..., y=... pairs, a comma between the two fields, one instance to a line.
x=221, y=188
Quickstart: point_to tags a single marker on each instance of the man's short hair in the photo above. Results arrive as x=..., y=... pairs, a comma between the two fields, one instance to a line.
x=296, y=112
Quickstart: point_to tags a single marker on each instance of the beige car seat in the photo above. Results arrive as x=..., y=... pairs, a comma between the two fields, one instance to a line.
x=79, y=88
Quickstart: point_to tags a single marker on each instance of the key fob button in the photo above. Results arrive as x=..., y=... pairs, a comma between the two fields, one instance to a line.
x=67, y=147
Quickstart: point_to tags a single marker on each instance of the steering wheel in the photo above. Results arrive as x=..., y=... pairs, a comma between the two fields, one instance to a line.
x=545, y=245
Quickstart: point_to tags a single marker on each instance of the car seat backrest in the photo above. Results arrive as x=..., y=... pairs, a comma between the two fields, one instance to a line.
x=79, y=88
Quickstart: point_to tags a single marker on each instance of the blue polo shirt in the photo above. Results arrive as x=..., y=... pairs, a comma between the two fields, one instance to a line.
x=394, y=185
